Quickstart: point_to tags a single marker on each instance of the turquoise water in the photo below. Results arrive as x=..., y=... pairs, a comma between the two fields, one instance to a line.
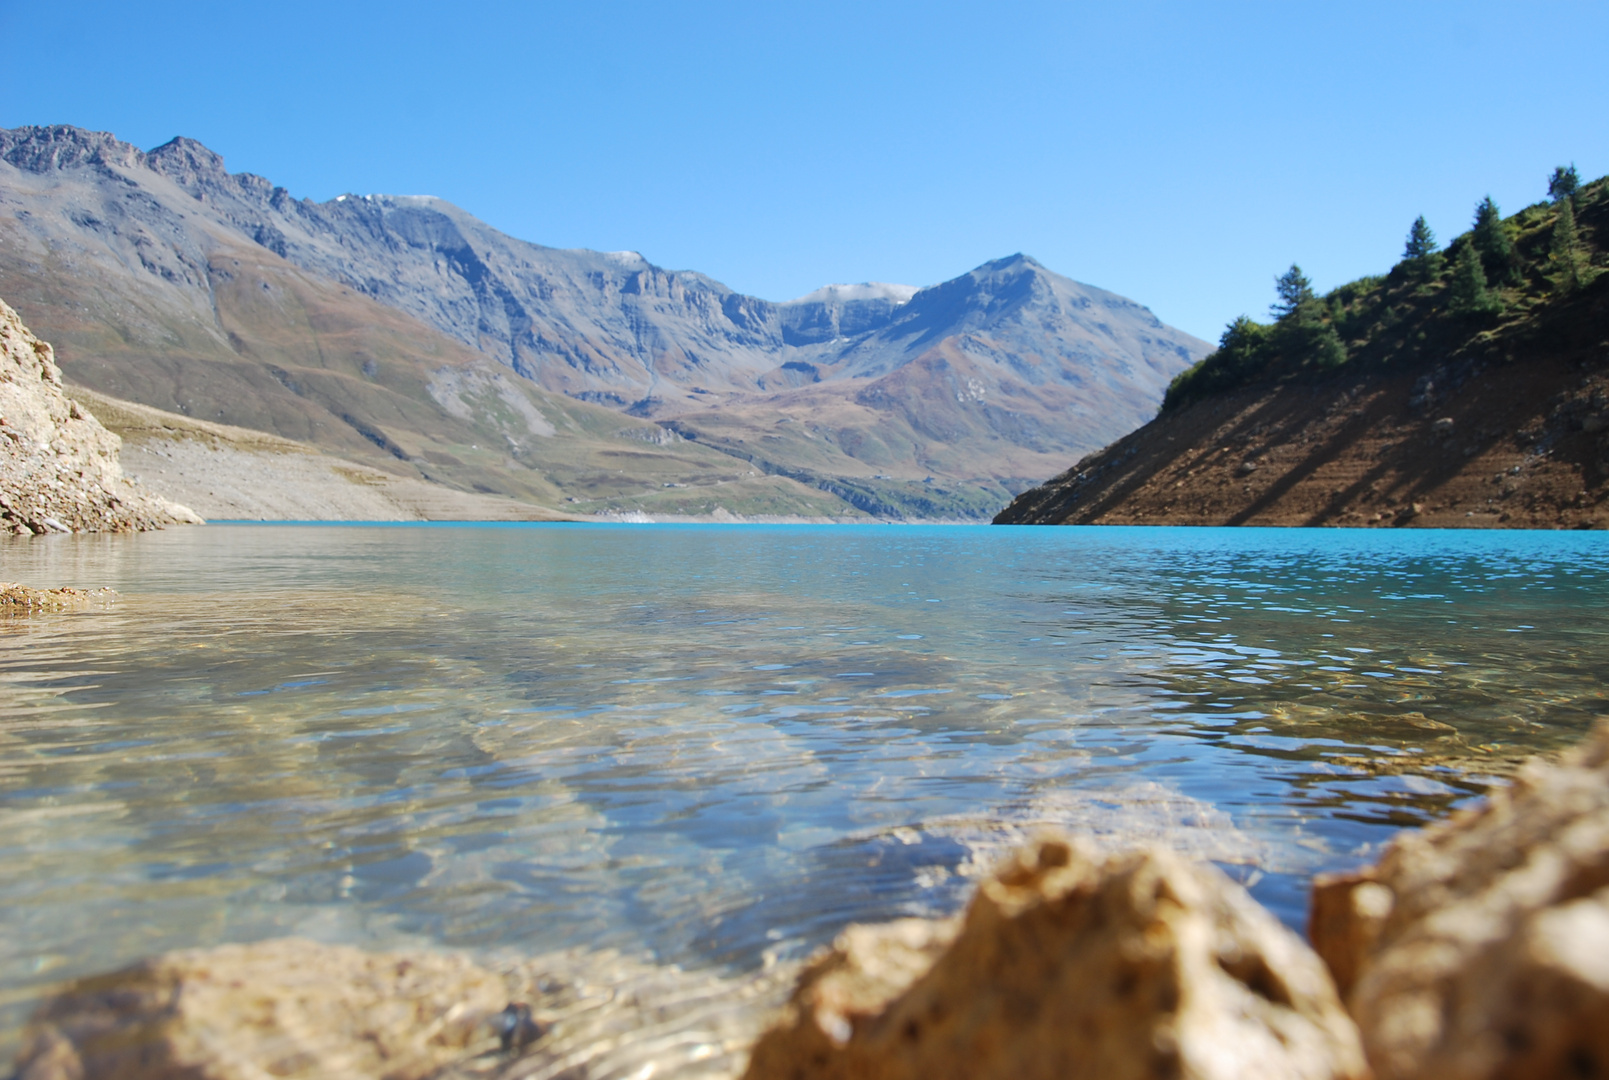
x=718, y=744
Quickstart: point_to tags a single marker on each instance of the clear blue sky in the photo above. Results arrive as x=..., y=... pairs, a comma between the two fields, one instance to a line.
x=1179, y=153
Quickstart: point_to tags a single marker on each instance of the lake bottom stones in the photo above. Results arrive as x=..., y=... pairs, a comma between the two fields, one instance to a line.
x=1477, y=948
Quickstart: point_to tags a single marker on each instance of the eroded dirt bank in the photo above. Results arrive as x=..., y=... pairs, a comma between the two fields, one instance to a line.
x=1482, y=443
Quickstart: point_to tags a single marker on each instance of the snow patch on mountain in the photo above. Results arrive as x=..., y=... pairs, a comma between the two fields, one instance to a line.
x=866, y=290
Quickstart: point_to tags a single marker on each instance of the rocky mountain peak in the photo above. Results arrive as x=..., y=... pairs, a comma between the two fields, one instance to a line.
x=983, y=295
x=1017, y=261
x=200, y=171
x=186, y=161
x=46, y=148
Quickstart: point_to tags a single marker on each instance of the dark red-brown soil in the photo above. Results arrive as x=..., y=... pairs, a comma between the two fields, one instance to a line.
x=1513, y=434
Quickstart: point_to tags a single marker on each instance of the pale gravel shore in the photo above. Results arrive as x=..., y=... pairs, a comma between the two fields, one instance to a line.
x=222, y=483
x=229, y=473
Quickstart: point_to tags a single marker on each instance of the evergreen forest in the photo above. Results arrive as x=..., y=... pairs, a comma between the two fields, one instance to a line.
x=1436, y=302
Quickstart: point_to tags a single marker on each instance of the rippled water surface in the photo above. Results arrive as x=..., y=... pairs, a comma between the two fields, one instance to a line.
x=716, y=745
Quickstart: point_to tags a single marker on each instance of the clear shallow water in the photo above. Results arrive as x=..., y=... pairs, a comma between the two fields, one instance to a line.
x=718, y=744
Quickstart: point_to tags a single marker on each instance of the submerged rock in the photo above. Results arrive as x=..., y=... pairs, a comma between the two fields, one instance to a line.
x=1479, y=947
x=284, y=1008
x=59, y=470
x=15, y=598
x=299, y=1010
x=1071, y=964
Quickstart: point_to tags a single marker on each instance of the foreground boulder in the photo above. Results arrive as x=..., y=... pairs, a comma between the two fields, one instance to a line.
x=283, y=1008
x=59, y=470
x=299, y=1010
x=1479, y=947
x=1069, y=964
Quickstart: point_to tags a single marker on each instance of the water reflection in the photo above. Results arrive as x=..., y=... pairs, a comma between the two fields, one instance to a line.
x=716, y=745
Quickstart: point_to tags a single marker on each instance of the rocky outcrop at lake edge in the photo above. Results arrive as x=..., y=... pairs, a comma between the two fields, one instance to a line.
x=1072, y=964
x=275, y=1009
x=300, y=1010
x=59, y=469
x=1479, y=947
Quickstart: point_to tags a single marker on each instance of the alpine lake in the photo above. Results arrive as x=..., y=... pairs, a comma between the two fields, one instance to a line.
x=711, y=747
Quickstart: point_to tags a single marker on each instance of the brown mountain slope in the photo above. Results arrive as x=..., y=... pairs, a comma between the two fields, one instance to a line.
x=1511, y=430
x=222, y=330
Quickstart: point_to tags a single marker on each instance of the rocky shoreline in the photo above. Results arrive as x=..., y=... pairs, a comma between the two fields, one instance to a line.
x=59, y=468
x=1475, y=948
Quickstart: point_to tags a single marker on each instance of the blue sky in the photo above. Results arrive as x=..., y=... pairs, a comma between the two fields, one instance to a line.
x=1179, y=153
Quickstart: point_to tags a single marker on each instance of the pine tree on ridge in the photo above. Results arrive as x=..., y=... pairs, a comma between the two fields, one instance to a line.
x=1564, y=183
x=1467, y=293
x=1302, y=331
x=1419, y=253
x=1564, y=250
x=1494, y=244
x=1294, y=291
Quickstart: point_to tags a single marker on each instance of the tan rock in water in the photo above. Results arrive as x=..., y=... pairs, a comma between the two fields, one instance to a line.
x=59, y=470
x=15, y=598
x=287, y=1008
x=1067, y=965
x=1479, y=947
x=298, y=1010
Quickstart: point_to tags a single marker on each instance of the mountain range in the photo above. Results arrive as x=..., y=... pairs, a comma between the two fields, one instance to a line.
x=403, y=330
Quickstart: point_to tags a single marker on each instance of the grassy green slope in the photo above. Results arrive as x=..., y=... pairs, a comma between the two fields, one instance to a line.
x=1412, y=315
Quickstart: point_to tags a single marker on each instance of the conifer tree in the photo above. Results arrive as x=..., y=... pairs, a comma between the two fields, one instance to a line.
x=1467, y=292
x=1302, y=333
x=1563, y=183
x=1565, y=250
x=1421, y=241
x=1494, y=244
x=1295, y=292
x=1243, y=351
x=1423, y=260
x=1324, y=347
